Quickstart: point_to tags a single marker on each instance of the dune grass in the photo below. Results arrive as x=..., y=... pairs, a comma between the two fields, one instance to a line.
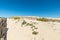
x=43, y=19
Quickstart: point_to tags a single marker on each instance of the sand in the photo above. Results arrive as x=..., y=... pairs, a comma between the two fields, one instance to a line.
x=47, y=30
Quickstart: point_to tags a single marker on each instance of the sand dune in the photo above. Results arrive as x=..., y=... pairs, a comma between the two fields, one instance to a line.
x=46, y=30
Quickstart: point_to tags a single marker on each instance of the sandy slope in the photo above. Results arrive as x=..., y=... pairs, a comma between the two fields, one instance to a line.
x=47, y=30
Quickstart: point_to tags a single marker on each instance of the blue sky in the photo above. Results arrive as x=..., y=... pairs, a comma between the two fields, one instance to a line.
x=43, y=8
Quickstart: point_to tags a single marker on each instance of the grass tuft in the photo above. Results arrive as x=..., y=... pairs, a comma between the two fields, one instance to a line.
x=42, y=19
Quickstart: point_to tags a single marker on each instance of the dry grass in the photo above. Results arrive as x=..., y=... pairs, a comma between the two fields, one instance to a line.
x=42, y=19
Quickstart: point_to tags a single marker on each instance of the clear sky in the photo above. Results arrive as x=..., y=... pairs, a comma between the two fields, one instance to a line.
x=43, y=8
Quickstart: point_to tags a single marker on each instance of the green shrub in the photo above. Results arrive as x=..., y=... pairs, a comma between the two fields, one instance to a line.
x=16, y=18
x=43, y=19
x=34, y=33
x=24, y=22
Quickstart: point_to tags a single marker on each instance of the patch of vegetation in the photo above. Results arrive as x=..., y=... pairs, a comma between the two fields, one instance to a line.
x=42, y=19
x=36, y=28
x=33, y=27
x=34, y=33
x=28, y=24
x=24, y=22
x=16, y=18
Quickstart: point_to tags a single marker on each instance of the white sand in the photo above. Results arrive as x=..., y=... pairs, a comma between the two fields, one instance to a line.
x=47, y=30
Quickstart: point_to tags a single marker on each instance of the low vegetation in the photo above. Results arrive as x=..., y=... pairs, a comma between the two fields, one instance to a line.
x=17, y=18
x=42, y=19
x=23, y=23
x=32, y=26
x=34, y=33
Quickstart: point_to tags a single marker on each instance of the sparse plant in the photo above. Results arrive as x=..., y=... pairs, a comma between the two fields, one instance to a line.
x=33, y=27
x=34, y=33
x=29, y=24
x=16, y=18
x=24, y=22
x=42, y=19
x=36, y=28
